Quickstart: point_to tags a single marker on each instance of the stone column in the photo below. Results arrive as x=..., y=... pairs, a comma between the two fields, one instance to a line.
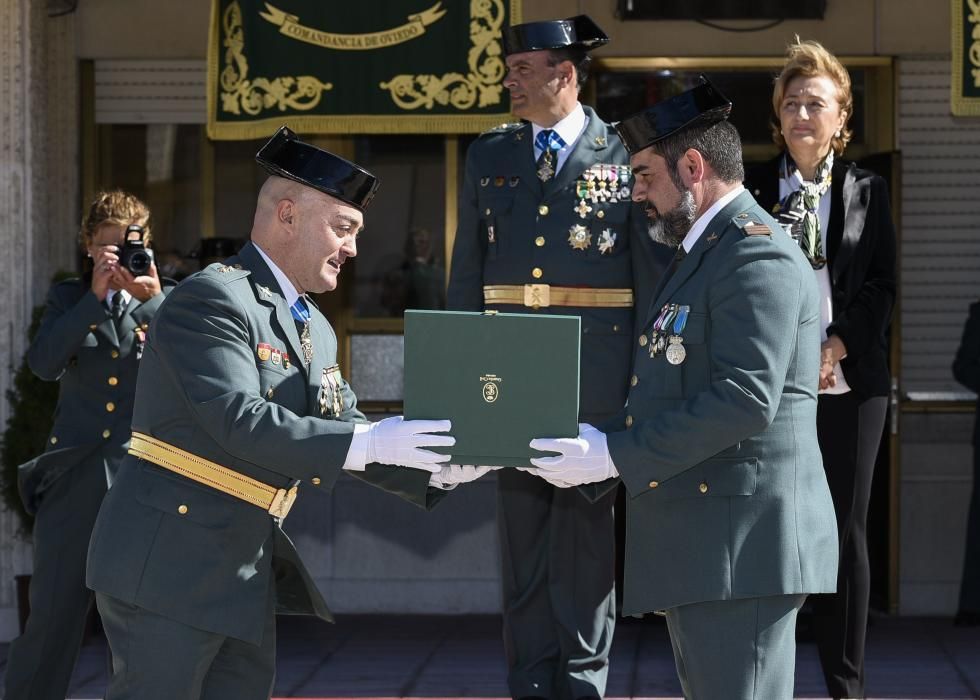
x=38, y=206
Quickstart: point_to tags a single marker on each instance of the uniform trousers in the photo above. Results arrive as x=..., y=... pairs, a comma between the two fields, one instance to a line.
x=742, y=649
x=157, y=658
x=849, y=429
x=558, y=585
x=970, y=586
x=40, y=662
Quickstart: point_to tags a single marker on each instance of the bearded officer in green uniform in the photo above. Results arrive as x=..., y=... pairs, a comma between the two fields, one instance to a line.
x=240, y=398
x=730, y=518
x=546, y=226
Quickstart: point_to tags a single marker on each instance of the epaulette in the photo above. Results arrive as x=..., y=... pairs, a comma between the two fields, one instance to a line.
x=505, y=128
x=751, y=226
x=226, y=273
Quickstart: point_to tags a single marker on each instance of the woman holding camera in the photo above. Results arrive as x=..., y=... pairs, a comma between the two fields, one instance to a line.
x=841, y=217
x=90, y=340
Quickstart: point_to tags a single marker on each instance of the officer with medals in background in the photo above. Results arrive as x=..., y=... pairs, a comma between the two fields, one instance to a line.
x=240, y=397
x=730, y=518
x=546, y=225
x=90, y=340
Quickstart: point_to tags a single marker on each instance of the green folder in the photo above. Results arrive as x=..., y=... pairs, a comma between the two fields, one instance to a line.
x=502, y=379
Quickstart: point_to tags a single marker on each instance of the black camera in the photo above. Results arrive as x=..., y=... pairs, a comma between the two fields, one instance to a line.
x=134, y=256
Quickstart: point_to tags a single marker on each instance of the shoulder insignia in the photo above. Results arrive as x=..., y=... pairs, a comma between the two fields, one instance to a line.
x=750, y=225
x=503, y=128
x=227, y=273
x=600, y=140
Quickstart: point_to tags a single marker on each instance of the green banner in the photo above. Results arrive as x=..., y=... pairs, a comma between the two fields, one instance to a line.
x=965, y=84
x=399, y=66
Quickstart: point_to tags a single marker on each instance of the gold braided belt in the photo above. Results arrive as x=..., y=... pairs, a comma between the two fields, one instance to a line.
x=539, y=296
x=275, y=501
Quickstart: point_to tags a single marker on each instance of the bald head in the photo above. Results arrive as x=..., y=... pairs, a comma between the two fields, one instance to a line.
x=307, y=233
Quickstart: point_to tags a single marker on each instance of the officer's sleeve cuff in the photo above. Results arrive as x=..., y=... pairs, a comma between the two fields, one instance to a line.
x=357, y=452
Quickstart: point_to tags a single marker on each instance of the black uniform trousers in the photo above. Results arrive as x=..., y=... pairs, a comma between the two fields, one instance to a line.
x=849, y=430
x=40, y=662
x=970, y=586
x=558, y=585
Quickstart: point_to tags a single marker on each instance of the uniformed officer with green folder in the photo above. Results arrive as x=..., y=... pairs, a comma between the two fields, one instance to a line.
x=546, y=226
x=240, y=397
x=730, y=518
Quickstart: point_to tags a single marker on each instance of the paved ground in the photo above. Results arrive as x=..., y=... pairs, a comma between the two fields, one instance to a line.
x=460, y=657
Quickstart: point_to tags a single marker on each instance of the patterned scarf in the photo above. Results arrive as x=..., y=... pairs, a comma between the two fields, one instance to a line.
x=798, y=211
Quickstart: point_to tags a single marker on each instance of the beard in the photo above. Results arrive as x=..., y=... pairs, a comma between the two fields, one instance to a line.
x=672, y=226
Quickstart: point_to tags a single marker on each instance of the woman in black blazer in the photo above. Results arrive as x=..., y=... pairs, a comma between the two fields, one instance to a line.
x=842, y=218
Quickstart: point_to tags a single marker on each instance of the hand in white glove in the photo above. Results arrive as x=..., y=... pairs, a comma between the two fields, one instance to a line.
x=401, y=442
x=452, y=474
x=581, y=460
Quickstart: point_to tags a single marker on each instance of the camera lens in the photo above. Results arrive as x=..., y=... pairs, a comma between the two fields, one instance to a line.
x=139, y=262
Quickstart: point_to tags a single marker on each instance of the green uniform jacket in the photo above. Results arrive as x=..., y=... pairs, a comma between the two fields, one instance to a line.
x=77, y=345
x=531, y=223
x=207, y=387
x=727, y=494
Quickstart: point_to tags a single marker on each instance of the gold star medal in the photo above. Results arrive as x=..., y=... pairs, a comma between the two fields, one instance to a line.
x=607, y=240
x=579, y=237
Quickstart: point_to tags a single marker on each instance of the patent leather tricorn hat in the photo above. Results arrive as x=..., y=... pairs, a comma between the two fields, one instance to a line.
x=286, y=156
x=575, y=32
x=703, y=104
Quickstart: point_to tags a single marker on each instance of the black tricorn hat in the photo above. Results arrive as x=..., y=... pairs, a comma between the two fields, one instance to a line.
x=703, y=104
x=575, y=32
x=286, y=156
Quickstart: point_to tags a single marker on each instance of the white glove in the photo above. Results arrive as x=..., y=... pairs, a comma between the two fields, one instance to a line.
x=582, y=460
x=451, y=475
x=400, y=442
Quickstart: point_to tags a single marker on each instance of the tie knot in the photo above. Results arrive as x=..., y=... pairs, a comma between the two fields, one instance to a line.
x=549, y=140
x=116, y=305
x=300, y=311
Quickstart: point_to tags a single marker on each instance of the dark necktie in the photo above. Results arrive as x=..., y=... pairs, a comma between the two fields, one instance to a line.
x=549, y=143
x=117, y=307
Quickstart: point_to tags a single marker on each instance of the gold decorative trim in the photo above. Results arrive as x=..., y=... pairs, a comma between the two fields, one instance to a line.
x=962, y=106
x=481, y=86
x=341, y=124
x=254, y=96
x=415, y=27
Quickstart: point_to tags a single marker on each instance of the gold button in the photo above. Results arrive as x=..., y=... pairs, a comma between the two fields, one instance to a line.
x=703, y=487
x=634, y=380
x=110, y=407
x=643, y=341
x=315, y=481
x=54, y=440
x=487, y=212
x=114, y=354
x=615, y=328
x=113, y=381
x=543, y=210
x=144, y=326
x=654, y=484
x=92, y=327
x=182, y=509
x=539, y=241
x=536, y=273
x=600, y=214
x=106, y=433
x=629, y=421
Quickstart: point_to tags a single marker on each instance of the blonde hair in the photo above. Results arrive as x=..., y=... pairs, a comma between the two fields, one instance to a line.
x=810, y=59
x=114, y=207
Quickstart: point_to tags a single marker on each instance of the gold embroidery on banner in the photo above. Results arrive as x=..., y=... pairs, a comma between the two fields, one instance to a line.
x=415, y=27
x=482, y=86
x=239, y=94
